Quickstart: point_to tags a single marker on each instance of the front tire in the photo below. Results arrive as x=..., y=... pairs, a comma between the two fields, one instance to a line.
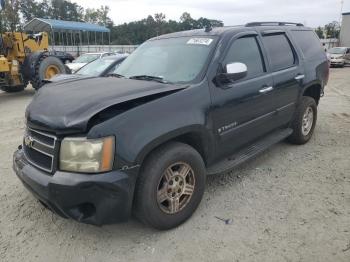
x=304, y=121
x=170, y=186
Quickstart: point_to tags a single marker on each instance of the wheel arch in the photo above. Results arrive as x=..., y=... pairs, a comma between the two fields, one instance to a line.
x=193, y=136
x=313, y=90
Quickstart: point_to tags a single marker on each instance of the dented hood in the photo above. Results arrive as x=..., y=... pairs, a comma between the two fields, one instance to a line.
x=70, y=105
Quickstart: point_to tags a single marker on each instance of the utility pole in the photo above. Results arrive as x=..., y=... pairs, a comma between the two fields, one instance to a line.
x=340, y=18
x=341, y=11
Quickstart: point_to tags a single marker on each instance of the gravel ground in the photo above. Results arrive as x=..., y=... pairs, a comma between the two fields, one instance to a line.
x=292, y=203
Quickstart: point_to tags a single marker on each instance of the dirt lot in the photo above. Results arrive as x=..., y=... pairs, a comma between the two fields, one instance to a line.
x=290, y=204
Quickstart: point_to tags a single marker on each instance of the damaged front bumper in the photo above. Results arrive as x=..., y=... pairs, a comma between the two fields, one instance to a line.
x=93, y=199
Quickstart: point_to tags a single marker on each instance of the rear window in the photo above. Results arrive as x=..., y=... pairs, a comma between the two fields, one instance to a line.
x=280, y=51
x=308, y=42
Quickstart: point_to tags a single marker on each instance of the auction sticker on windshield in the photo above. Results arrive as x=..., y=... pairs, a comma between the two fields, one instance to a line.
x=199, y=41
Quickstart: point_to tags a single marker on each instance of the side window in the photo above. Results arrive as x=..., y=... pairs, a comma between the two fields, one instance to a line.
x=308, y=42
x=246, y=50
x=280, y=51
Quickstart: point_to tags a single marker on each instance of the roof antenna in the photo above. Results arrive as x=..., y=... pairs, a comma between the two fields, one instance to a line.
x=208, y=28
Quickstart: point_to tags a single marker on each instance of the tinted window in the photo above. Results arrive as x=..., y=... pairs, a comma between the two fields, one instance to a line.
x=308, y=42
x=279, y=51
x=247, y=51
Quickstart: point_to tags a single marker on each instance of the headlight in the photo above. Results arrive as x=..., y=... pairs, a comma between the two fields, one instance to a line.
x=87, y=155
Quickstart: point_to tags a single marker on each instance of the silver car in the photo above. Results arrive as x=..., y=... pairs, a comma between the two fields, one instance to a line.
x=339, y=56
x=85, y=59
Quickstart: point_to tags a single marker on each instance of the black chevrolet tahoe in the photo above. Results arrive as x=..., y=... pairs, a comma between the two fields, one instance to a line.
x=181, y=107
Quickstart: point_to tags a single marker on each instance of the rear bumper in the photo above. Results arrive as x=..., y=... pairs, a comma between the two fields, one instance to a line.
x=93, y=199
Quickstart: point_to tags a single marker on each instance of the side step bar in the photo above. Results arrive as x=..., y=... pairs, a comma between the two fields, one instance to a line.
x=249, y=152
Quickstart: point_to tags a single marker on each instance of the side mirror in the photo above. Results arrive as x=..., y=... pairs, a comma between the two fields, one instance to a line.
x=236, y=71
x=233, y=72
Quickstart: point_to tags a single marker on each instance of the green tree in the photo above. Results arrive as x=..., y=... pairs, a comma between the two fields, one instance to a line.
x=65, y=10
x=319, y=32
x=187, y=22
x=10, y=15
x=98, y=16
x=21, y=11
x=31, y=9
x=332, y=30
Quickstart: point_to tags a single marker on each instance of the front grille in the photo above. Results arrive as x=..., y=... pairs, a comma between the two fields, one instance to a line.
x=40, y=149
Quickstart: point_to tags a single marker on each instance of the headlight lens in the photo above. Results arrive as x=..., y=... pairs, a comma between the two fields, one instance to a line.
x=87, y=155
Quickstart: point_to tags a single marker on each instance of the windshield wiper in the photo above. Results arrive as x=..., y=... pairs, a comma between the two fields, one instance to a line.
x=115, y=75
x=150, y=78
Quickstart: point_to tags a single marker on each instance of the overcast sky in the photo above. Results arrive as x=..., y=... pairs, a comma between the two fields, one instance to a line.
x=231, y=12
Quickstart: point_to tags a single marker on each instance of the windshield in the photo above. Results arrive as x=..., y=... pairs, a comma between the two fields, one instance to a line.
x=175, y=60
x=95, y=68
x=337, y=50
x=87, y=58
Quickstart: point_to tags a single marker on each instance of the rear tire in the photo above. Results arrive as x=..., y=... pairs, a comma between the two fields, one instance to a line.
x=304, y=121
x=47, y=67
x=170, y=186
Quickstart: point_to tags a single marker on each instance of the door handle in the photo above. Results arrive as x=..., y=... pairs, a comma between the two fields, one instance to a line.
x=299, y=77
x=266, y=89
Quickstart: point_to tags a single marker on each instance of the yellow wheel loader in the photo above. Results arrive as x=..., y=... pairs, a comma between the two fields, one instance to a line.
x=25, y=58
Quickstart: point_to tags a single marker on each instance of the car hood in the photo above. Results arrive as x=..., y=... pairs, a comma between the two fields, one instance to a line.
x=66, y=78
x=68, y=106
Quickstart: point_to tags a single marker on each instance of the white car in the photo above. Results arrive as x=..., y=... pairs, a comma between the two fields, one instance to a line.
x=339, y=56
x=85, y=59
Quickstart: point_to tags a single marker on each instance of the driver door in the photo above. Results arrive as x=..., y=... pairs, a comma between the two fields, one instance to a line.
x=243, y=109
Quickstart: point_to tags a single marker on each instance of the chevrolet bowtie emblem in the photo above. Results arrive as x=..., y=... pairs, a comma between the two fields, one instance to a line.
x=28, y=141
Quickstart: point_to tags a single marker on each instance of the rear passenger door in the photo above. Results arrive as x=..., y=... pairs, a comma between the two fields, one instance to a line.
x=287, y=74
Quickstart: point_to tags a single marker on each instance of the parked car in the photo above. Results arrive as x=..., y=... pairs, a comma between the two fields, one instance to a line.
x=63, y=56
x=97, y=68
x=179, y=108
x=85, y=59
x=339, y=56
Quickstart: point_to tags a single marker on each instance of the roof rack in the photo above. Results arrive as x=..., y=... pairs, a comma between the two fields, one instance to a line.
x=272, y=23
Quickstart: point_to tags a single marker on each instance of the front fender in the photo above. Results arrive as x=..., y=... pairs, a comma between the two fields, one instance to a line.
x=199, y=131
x=141, y=129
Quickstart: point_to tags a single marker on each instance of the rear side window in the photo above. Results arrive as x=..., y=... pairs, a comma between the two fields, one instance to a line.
x=280, y=51
x=246, y=50
x=308, y=42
